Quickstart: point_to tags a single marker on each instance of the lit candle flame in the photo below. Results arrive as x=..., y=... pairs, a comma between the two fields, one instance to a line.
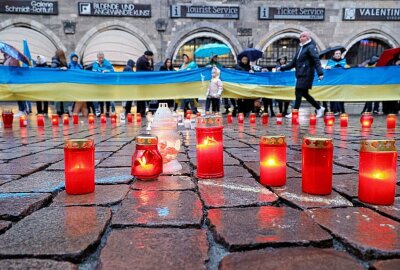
x=378, y=175
x=209, y=140
x=142, y=161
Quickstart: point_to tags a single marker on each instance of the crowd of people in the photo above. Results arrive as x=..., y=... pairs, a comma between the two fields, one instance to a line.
x=305, y=63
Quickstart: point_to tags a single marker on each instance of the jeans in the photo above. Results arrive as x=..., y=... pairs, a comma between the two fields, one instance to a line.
x=300, y=92
x=22, y=106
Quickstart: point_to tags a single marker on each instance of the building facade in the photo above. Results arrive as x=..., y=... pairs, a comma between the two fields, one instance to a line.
x=124, y=29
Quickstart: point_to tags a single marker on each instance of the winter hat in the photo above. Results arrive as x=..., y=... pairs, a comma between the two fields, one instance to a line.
x=216, y=70
x=148, y=53
x=41, y=59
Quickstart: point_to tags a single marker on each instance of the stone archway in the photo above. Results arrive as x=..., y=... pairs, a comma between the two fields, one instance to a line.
x=372, y=33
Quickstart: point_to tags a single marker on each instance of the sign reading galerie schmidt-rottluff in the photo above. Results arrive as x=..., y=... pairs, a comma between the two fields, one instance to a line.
x=291, y=13
x=114, y=9
x=208, y=12
x=371, y=14
x=29, y=7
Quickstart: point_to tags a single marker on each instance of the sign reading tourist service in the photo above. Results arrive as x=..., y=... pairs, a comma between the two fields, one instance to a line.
x=371, y=14
x=207, y=12
x=291, y=13
x=29, y=7
x=114, y=9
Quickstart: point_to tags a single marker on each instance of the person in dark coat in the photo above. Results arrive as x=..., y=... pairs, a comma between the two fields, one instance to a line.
x=144, y=63
x=42, y=106
x=60, y=61
x=283, y=105
x=129, y=68
x=305, y=61
x=244, y=105
x=392, y=106
x=168, y=67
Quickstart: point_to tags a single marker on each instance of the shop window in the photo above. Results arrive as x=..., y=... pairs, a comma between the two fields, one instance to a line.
x=283, y=47
x=363, y=50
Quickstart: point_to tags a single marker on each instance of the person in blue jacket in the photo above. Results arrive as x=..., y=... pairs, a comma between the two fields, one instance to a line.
x=102, y=65
x=75, y=65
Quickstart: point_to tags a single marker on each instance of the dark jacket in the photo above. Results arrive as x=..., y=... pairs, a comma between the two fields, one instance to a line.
x=129, y=66
x=56, y=63
x=305, y=61
x=142, y=64
x=243, y=67
x=164, y=68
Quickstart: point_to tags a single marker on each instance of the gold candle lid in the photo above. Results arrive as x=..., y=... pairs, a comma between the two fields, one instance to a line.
x=344, y=115
x=146, y=139
x=329, y=113
x=65, y=115
x=209, y=121
x=391, y=115
x=313, y=114
x=317, y=142
x=388, y=145
x=367, y=113
x=265, y=114
x=273, y=140
x=79, y=143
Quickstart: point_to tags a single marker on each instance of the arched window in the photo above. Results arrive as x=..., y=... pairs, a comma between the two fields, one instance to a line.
x=283, y=47
x=364, y=50
x=189, y=47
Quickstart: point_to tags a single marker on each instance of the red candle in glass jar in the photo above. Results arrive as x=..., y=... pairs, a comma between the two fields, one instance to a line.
x=317, y=157
x=391, y=121
x=79, y=166
x=240, y=118
x=295, y=117
x=279, y=119
x=129, y=118
x=252, y=118
x=377, y=171
x=91, y=118
x=273, y=161
x=209, y=147
x=313, y=119
x=103, y=118
x=75, y=118
x=65, y=119
x=23, y=121
x=146, y=160
x=198, y=114
x=329, y=119
x=138, y=118
x=264, y=118
x=344, y=120
x=229, y=118
x=188, y=114
x=366, y=120
x=54, y=120
x=40, y=120
x=8, y=118
x=113, y=118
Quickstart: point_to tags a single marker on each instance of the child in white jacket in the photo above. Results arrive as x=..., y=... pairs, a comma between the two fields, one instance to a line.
x=214, y=91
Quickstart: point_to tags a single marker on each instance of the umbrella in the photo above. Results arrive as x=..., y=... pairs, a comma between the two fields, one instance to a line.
x=387, y=56
x=330, y=51
x=251, y=53
x=211, y=49
x=14, y=53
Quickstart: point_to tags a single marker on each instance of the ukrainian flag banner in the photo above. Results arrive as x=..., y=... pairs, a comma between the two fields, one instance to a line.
x=35, y=84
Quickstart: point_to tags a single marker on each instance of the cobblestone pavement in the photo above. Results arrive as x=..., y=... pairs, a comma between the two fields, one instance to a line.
x=180, y=222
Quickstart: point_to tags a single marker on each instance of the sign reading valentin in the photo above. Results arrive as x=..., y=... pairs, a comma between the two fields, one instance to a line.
x=208, y=12
x=114, y=9
x=291, y=13
x=29, y=7
x=371, y=14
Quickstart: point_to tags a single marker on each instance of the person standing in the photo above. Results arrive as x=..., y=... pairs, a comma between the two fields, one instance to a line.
x=104, y=66
x=305, y=61
x=188, y=64
x=244, y=105
x=80, y=106
x=129, y=68
x=144, y=63
x=168, y=67
x=60, y=61
x=283, y=105
x=42, y=106
x=214, y=91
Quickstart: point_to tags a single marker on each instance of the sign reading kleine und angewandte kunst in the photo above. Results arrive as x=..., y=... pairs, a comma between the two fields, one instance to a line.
x=204, y=12
x=29, y=7
x=291, y=13
x=114, y=9
x=371, y=14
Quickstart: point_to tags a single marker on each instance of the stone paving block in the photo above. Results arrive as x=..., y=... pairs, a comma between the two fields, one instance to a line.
x=103, y=195
x=165, y=183
x=159, y=208
x=109, y=176
x=116, y=161
x=228, y=160
x=235, y=144
x=290, y=259
x=154, y=248
x=336, y=168
x=8, y=178
x=14, y=206
x=244, y=155
x=346, y=184
x=186, y=169
x=392, y=211
x=256, y=227
x=39, y=182
x=346, y=161
x=292, y=193
x=41, y=157
x=386, y=265
x=107, y=148
x=20, y=264
x=254, y=167
x=231, y=192
x=20, y=169
x=4, y=225
x=363, y=231
x=62, y=233
x=232, y=172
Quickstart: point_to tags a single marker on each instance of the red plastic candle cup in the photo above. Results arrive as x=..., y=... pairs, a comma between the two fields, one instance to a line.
x=329, y=119
x=65, y=118
x=198, y=114
x=264, y=118
x=103, y=118
x=295, y=117
x=229, y=118
x=91, y=118
x=54, y=120
x=377, y=172
x=344, y=120
x=129, y=118
x=40, y=120
x=188, y=114
x=209, y=147
x=75, y=118
x=279, y=119
x=138, y=118
x=366, y=120
x=317, y=155
x=252, y=118
x=146, y=160
x=113, y=118
x=391, y=121
x=240, y=118
x=313, y=119
x=273, y=161
x=79, y=166
x=8, y=118
x=23, y=121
